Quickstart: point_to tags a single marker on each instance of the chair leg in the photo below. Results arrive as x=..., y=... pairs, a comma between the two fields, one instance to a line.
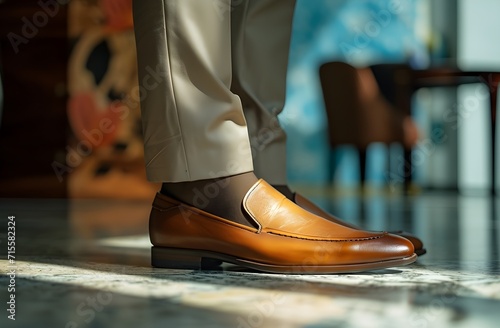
x=331, y=166
x=493, y=113
x=408, y=170
x=362, y=166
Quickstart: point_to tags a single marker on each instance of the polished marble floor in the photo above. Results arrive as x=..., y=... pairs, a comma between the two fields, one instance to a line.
x=85, y=263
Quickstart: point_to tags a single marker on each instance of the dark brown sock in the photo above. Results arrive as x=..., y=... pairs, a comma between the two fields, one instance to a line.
x=286, y=191
x=221, y=196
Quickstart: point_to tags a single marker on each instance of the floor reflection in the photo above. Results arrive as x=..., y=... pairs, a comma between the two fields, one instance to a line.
x=453, y=227
x=71, y=254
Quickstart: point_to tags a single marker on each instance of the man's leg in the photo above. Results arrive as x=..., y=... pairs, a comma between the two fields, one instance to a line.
x=188, y=111
x=261, y=42
x=195, y=134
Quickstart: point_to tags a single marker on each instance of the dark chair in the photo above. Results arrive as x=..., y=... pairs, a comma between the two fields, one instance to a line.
x=360, y=112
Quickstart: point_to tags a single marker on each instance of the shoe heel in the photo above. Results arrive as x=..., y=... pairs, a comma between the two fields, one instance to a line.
x=169, y=258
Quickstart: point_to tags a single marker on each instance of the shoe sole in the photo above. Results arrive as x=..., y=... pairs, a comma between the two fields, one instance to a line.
x=173, y=258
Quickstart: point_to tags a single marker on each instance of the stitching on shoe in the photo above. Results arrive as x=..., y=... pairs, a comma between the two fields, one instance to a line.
x=327, y=240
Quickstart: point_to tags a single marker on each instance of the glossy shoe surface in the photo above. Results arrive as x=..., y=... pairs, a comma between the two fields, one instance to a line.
x=306, y=204
x=285, y=238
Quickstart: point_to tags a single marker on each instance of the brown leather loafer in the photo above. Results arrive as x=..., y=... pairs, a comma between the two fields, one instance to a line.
x=313, y=208
x=286, y=238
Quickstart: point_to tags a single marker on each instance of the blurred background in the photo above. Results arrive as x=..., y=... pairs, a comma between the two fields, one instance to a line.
x=390, y=94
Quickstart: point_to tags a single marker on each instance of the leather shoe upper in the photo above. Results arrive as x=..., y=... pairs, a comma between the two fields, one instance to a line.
x=313, y=208
x=284, y=233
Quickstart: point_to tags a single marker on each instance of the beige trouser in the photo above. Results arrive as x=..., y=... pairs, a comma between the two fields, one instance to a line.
x=207, y=68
